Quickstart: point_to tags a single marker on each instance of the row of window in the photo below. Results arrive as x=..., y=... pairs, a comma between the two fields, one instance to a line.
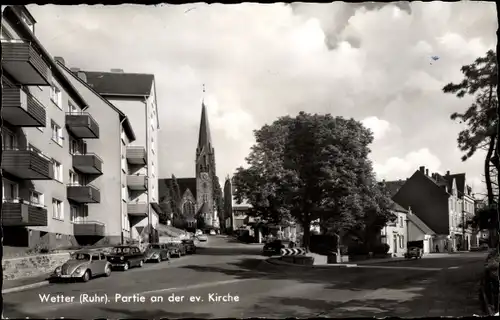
x=10, y=192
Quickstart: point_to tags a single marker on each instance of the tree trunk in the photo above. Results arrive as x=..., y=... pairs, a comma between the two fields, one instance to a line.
x=307, y=235
x=487, y=163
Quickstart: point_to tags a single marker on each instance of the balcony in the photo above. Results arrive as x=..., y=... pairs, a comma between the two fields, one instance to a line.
x=24, y=64
x=22, y=213
x=82, y=125
x=137, y=209
x=89, y=228
x=136, y=155
x=83, y=194
x=137, y=182
x=88, y=163
x=27, y=164
x=21, y=109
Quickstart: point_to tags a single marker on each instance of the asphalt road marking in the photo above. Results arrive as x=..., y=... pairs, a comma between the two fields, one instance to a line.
x=56, y=306
x=400, y=268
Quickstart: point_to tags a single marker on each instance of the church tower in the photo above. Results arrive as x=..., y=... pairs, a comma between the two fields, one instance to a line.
x=205, y=170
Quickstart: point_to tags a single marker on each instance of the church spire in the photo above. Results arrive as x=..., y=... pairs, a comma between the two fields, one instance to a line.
x=204, y=138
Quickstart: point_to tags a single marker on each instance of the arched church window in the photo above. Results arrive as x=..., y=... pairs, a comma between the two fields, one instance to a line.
x=201, y=167
x=205, y=185
x=204, y=159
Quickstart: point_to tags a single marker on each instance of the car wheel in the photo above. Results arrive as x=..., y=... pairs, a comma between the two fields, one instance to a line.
x=86, y=276
x=126, y=266
x=168, y=256
x=141, y=263
x=107, y=272
x=158, y=260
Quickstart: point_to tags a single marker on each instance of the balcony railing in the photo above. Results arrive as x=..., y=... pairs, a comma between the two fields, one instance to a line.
x=83, y=193
x=139, y=209
x=24, y=63
x=82, y=125
x=88, y=163
x=89, y=228
x=136, y=155
x=137, y=182
x=23, y=213
x=21, y=109
x=27, y=164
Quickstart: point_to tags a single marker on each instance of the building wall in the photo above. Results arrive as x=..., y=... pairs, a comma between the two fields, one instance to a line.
x=396, y=234
x=426, y=201
x=124, y=198
x=109, y=148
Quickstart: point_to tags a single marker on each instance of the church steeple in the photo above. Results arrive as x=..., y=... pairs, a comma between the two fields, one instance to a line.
x=204, y=138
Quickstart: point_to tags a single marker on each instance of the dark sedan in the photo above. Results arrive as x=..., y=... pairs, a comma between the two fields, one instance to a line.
x=126, y=257
x=189, y=245
x=413, y=252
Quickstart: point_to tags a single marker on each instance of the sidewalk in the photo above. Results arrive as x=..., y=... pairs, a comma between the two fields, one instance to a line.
x=24, y=283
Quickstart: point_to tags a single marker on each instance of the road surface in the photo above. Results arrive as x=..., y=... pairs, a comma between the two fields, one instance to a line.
x=231, y=280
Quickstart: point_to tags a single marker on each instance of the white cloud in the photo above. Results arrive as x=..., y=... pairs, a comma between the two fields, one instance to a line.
x=261, y=61
x=401, y=168
x=378, y=126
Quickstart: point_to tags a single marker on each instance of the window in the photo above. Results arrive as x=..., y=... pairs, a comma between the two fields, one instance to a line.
x=58, y=170
x=77, y=146
x=72, y=108
x=36, y=198
x=205, y=198
x=56, y=133
x=57, y=209
x=401, y=223
x=10, y=190
x=56, y=96
x=74, y=178
x=76, y=214
x=402, y=241
x=9, y=140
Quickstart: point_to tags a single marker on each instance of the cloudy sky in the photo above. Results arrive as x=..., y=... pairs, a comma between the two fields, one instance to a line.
x=259, y=62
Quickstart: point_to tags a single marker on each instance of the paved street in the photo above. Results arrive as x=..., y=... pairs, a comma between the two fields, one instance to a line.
x=429, y=287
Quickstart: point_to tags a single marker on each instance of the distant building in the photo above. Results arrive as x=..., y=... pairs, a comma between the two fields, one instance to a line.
x=198, y=194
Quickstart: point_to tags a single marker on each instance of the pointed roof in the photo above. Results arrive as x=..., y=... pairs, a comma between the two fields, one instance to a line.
x=204, y=138
x=203, y=209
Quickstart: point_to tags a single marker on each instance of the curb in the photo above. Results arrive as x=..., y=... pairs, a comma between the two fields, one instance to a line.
x=26, y=287
x=286, y=264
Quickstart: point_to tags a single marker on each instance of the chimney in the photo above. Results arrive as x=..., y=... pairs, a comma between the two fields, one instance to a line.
x=447, y=173
x=60, y=60
x=117, y=70
x=427, y=172
x=82, y=76
x=422, y=169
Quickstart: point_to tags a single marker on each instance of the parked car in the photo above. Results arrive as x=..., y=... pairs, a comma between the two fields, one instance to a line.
x=484, y=247
x=202, y=238
x=126, y=257
x=198, y=232
x=273, y=247
x=156, y=252
x=212, y=232
x=413, y=252
x=189, y=245
x=176, y=249
x=83, y=265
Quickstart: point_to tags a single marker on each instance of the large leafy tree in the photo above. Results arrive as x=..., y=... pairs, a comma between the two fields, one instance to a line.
x=480, y=81
x=310, y=167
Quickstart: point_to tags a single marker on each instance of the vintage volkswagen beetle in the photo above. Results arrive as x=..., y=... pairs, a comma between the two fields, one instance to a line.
x=157, y=252
x=83, y=265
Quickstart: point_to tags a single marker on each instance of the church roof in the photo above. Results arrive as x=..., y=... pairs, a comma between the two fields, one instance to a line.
x=204, y=137
x=184, y=184
x=204, y=209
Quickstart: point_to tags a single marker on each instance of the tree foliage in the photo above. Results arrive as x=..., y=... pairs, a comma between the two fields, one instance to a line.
x=480, y=81
x=218, y=200
x=312, y=167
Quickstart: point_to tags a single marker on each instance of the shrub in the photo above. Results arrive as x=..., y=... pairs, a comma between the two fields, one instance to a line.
x=382, y=248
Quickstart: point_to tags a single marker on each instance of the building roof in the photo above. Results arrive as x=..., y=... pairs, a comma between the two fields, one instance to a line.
x=420, y=224
x=120, y=83
x=204, y=137
x=126, y=123
x=204, y=209
x=394, y=186
x=184, y=184
x=398, y=208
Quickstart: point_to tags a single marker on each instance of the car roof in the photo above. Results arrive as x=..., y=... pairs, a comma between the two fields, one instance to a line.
x=85, y=251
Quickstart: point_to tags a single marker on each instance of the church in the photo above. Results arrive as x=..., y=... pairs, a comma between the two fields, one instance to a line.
x=197, y=194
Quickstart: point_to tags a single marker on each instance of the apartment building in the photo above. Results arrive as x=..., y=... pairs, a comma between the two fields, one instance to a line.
x=135, y=96
x=42, y=114
x=438, y=201
x=107, y=155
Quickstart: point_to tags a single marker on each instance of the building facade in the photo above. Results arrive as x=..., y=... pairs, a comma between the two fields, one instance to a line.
x=395, y=233
x=109, y=155
x=197, y=194
x=436, y=201
x=44, y=118
x=135, y=96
